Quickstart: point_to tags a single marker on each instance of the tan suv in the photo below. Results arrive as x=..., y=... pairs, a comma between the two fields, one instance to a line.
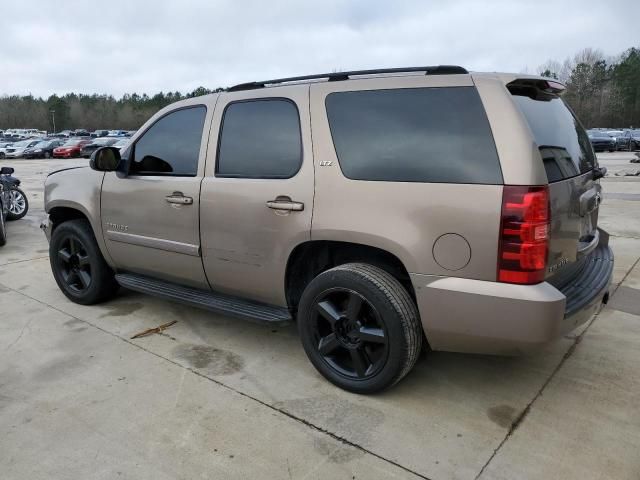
x=380, y=209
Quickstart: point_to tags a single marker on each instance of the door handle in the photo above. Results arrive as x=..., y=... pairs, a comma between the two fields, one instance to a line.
x=179, y=199
x=285, y=203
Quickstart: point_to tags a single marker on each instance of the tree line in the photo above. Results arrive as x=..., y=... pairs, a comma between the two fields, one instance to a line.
x=603, y=91
x=92, y=112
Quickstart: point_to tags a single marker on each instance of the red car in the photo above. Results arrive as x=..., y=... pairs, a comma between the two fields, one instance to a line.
x=70, y=149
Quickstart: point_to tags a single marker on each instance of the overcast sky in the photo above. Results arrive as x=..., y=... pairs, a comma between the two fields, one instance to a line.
x=152, y=45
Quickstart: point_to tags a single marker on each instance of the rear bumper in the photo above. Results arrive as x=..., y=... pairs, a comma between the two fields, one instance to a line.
x=475, y=316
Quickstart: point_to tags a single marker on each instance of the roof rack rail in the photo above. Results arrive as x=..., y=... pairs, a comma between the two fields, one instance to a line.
x=340, y=76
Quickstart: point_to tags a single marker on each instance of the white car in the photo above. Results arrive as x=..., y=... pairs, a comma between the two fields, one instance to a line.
x=17, y=149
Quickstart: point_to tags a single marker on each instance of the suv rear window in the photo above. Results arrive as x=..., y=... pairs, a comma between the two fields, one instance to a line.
x=564, y=145
x=438, y=135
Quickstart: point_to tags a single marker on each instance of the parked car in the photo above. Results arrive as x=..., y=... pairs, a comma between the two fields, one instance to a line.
x=3, y=147
x=632, y=140
x=71, y=148
x=122, y=143
x=99, y=133
x=43, y=149
x=89, y=148
x=433, y=216
x=17, y=149
x=617, y=137
x=81, y=132
x=17, y=205
x=601, y=141
x=117, y=133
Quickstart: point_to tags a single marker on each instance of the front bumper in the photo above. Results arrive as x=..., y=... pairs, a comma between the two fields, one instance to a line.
x=476, y=316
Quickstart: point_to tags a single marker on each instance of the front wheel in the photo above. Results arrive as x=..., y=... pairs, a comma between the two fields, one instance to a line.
x=359, y=327
x=78, y=266
x=18, y=204
x=3, y=229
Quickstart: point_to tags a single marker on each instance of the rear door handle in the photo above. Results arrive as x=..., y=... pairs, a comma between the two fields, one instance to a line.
x=285, y=204
x=179, y=199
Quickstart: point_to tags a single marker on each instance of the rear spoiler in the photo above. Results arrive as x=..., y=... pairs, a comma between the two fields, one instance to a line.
x=536, y=88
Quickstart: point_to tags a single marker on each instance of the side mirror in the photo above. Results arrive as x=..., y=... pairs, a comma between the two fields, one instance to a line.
x=6, y=171
x=105, y=159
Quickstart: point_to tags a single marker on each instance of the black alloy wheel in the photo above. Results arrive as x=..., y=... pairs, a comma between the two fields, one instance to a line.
x=77, y=264
x=74, y=264
x=350, y=334
x=359, y=327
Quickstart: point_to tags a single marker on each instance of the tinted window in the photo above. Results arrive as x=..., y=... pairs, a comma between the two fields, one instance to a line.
x=260, y=139
x=559, y=136
x=172, y=145
x=413, y=135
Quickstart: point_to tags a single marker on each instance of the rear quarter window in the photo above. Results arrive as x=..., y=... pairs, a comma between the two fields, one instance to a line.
x=438, y=135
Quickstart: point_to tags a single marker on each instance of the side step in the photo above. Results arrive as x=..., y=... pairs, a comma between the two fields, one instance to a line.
x=215, y=302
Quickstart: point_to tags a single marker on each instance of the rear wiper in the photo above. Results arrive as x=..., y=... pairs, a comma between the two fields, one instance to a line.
x=598, y=172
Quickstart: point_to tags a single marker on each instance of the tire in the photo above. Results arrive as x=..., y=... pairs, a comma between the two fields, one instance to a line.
x=2, y=155
x=19, y=205
x=47, y=155
x=78, y=265
x=367, y=348
x=3, y=230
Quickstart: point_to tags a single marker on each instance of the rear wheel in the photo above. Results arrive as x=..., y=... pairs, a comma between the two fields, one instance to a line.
x=18, y=204
x=47, y=155
x=359, y=327
x=78, y=266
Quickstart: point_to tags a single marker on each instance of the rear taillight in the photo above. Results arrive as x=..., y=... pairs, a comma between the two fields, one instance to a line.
x=524, y=234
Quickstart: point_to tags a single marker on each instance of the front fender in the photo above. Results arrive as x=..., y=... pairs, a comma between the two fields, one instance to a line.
x=78, y=189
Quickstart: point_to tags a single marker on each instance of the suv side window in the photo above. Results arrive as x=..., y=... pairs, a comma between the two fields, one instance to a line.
x=171, y=146
x=438, y=135
x=260, y=139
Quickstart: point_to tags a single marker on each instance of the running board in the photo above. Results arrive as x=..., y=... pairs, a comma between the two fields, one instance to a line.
x=212, y=301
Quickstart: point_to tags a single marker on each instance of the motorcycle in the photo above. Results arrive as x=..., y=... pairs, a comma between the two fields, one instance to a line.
x=13, y=202
x=18, y=203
